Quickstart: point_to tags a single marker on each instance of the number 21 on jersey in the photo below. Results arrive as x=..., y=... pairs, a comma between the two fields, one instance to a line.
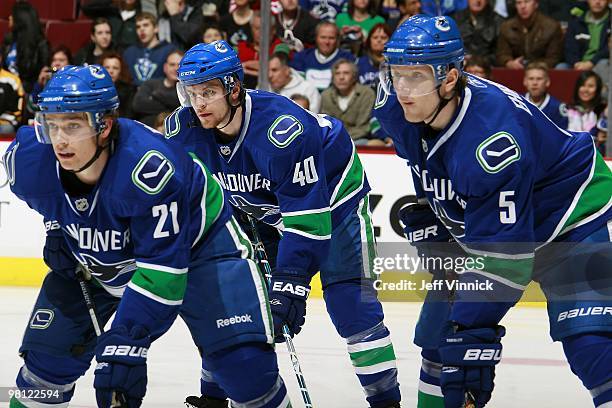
x=161, y=212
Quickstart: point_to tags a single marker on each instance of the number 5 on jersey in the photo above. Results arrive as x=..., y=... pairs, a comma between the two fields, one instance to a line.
x=305, y=172
x=161, y=211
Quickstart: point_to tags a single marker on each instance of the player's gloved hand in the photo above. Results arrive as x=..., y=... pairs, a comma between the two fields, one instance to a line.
x=469, y=358
x=426, y=233
x=288, y=294
x=122, y=365
x=57, y=255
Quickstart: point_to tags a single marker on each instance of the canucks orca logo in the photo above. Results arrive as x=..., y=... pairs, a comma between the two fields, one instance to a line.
x=284, y=130
x=258, y=211
x=456, y=228
x=108, y=272
x=152, y=172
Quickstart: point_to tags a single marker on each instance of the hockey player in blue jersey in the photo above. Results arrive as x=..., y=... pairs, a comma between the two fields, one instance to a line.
x=299, y=172
x=497, y=177
x=152, y=228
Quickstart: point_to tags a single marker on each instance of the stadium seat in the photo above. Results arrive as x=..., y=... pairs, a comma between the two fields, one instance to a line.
x=4, y=28
x=73, y=34
x=55, y=10
x=6, y=6
x=561, y=81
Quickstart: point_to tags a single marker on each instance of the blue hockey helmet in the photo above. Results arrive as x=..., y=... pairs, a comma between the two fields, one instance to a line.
x=205, y=62
x=422, y=40
x=76, y=89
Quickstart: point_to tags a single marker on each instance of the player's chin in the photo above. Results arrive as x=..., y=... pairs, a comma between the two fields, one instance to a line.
x=412, y=115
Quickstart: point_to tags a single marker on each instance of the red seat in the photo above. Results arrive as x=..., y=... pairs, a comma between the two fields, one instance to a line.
x=6, y=7
x=561, y=81
x=73, y=34
x=4, y=28
x=55, y=10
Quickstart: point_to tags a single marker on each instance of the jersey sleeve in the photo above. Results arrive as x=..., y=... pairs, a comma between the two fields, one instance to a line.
x=160, y=234
x=298, y=171
x=499, y=229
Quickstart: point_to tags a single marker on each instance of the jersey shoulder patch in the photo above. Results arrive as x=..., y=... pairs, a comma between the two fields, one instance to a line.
x=8, y=162
x=152, y=172
x=172, y=123
x=497, y=152
x=284, y=130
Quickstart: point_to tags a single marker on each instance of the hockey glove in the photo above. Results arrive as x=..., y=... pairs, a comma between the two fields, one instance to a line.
x=469, y=358
x=122, y=365
x=288, y=294
x=426, y=233
x=58, y=257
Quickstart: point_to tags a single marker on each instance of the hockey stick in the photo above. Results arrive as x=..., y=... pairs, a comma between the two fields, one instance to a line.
x=262, y=258
x=118, y=399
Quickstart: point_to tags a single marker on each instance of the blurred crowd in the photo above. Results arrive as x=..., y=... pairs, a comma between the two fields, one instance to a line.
x=324, y=54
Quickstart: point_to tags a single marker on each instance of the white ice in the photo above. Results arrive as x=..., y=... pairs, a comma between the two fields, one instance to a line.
x=533, y=372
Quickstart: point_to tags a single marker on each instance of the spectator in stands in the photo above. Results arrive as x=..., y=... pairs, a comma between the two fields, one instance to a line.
x=285, y=81
x=158, y=95
x=479, y=25
x=212, y=33
x=407, y=9
x=25, y=49
x=600, y=134
x=537, y=82
x=445, y=7
x=248, y=52
x=588, y=103
x=586, y=39
x=478, y=66
x=146, y=60
x=558, y=9
x=356, y=23
x=119, y=72
x=121, y=15
x=369, y=62
x=529, y=37
x=301, y=100
x=11, y=100
x=295, y=26
x=349, y=101
x=60, y=57
x=324, y=10
x=101, y=41
x=181, y=23
x=315, y=63
x=236, y=24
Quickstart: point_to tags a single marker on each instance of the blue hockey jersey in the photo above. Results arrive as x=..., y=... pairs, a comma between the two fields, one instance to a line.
x=135, y=230
x=316, y=68
x=290, y=168
x=503, y=178
x=554, y=109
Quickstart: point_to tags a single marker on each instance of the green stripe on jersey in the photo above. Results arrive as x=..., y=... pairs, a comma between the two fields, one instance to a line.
x=214, y=196
x=166, y=285
x=318, y=224
x=373, y=356
x=351, y=181
x=595, y=196
x=518, y=271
